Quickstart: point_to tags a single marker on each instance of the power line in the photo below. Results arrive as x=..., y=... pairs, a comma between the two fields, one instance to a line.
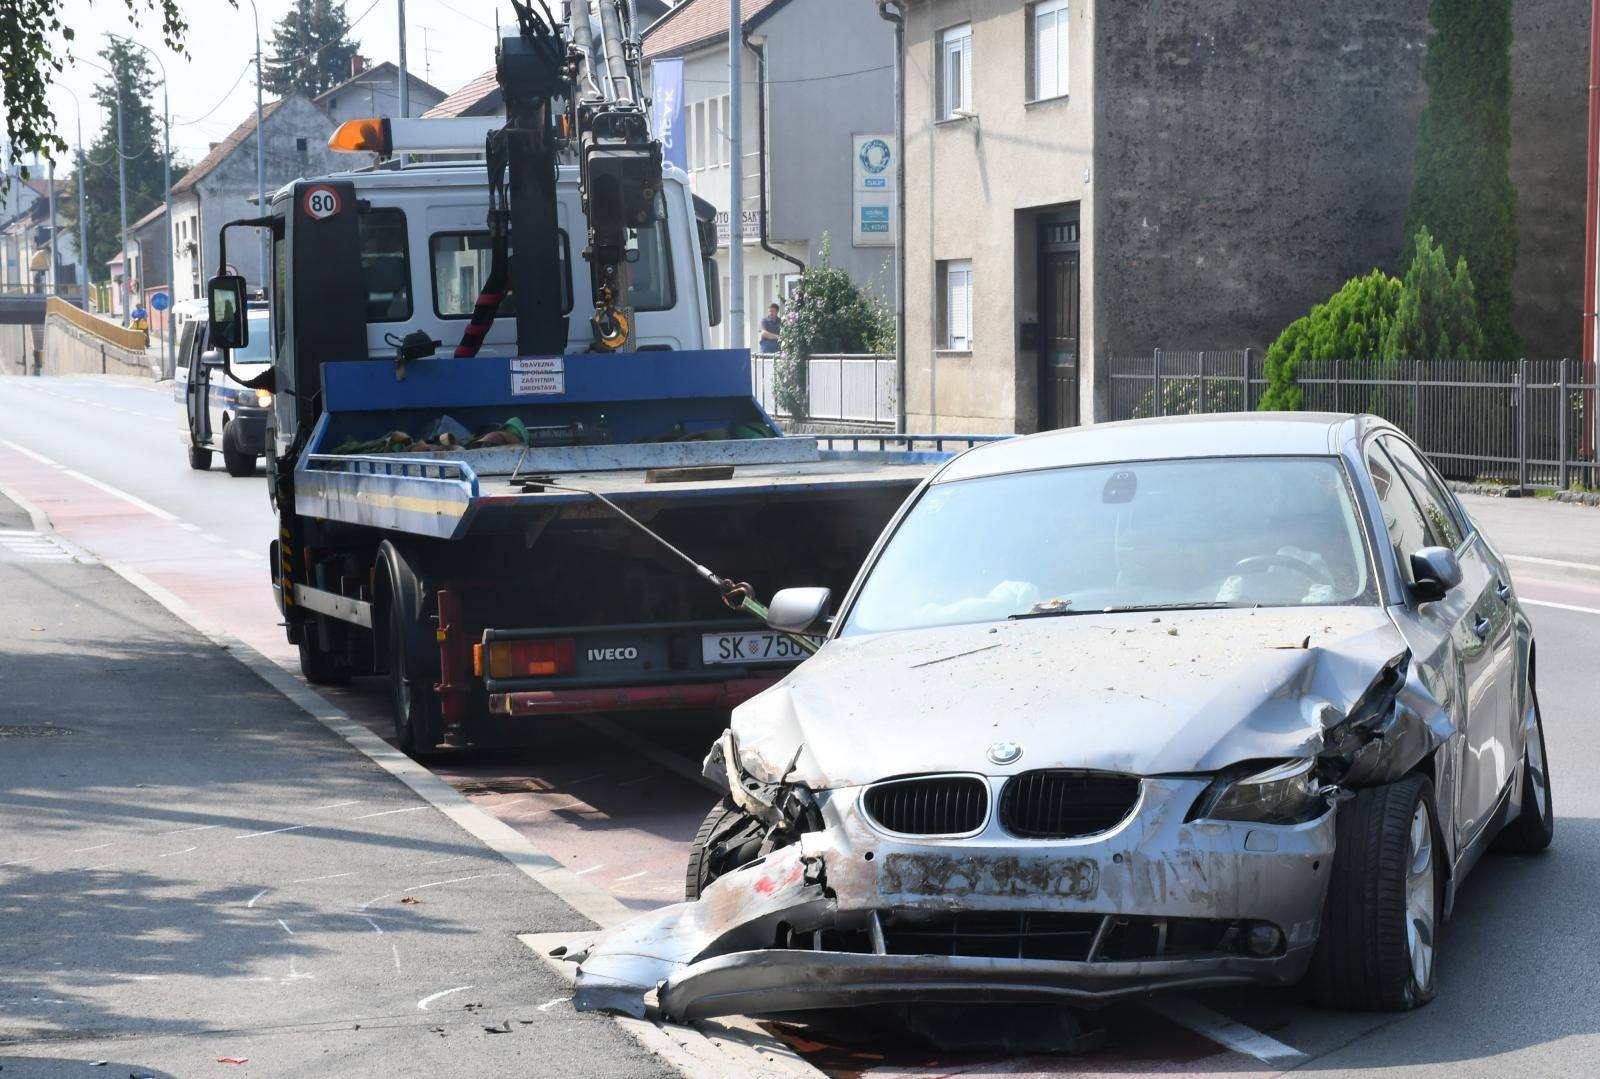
x=218, y=105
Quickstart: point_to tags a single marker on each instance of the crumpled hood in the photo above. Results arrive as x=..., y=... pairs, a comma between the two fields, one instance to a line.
x=1138, y=693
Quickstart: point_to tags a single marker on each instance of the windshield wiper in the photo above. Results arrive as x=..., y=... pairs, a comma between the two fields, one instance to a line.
x=1056, y=607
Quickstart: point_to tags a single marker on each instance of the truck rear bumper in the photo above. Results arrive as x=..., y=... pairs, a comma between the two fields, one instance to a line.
x=721, y=694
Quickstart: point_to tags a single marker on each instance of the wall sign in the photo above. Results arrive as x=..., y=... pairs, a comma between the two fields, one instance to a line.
x=873, y=192
x=538, y=376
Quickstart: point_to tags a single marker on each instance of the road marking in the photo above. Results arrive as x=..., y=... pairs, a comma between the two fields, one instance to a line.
x=394, y=950
x=554, y=809
x=375, y=898
x=422, y=1005
x=1226, y=1032
x=185, y=850
x=258, y=895
x=586, y=872
x=19, y=861
x=547, y=1005
x=1560, y=606
x=102, y=865
x=212, y=537
x=286, y=928
x=328, y=876
x=187, y=527
x=132, y=500
x=180, y=831
x=336, y=805
x=376, y=928
x=391, y=812
x=99, y=846
x=454, y=880
x=673, y=762
x=249, y=556
x=634, y=782
x=26, y=452
x=1590, y=566
x=273, y=831
x=632, y=876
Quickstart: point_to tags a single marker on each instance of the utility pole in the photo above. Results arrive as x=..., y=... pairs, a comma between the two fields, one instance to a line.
x=427, y=54
x=405, y=82
x=54, y=269
x=261, y=170
x=166, y=184
x=83, y=207
x=735, y=183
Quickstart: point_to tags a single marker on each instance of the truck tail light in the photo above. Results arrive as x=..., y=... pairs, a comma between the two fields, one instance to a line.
x=531, y=659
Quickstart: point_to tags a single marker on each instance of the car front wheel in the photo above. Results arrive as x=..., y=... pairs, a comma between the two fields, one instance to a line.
x=1378, y=950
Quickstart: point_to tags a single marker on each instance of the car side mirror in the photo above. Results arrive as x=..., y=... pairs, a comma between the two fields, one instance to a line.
x=798, y=610
x=225, y=301
x=210, y=358
x=1434, y=571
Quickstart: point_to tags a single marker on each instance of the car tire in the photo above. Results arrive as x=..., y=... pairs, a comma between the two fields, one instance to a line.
x=235, y=459
x=418, y=724
x=1378, y=949
x=199, y=458
x=1535, y=826
x=728, y=838
x=316, y=666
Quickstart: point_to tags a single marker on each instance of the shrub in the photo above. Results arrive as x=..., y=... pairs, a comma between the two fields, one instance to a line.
x=1438, y=314
x=827, y=313
x=1351, y=325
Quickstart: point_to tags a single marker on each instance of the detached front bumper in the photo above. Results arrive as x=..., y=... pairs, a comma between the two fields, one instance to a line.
x=852, y=916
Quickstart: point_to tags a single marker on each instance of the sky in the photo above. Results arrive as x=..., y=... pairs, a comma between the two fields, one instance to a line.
x=213, y=90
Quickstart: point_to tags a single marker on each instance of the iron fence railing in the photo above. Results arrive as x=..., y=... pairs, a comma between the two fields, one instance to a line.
x=846, y=388
x=1528, y=423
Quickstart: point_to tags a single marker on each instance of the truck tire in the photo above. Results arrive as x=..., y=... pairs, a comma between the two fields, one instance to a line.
x=1378, y=948
x=199, y=458
x=728, y=838
x=418, y=722
x=318, y=667
x=234, y=458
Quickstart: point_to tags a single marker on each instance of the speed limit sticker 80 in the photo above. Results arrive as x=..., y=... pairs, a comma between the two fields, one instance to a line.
x=321, y=202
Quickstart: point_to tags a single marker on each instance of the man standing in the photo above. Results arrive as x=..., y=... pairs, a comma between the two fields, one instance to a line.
x=770, y=327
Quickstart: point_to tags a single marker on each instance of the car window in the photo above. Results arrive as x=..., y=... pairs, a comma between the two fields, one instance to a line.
x=1444, y=519
x=385, y=265
x=1402, y=516
x=1240, y=531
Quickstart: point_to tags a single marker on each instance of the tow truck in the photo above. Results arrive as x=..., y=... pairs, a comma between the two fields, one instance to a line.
x=454, y=521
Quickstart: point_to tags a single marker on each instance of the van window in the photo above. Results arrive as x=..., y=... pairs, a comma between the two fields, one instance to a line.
x=385, y=265
x=461, y=262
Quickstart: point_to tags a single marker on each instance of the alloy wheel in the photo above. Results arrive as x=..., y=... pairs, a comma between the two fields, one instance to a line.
x=1420, y=898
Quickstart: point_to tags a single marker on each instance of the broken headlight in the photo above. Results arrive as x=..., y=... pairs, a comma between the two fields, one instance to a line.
x=1287, y=793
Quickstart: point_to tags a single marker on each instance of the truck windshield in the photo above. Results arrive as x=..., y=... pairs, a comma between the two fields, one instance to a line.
x=1207, y=532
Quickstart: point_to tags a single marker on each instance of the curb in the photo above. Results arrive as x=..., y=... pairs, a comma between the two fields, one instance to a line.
x=1497, y=490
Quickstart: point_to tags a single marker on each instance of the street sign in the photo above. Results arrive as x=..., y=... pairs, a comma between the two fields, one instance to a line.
x=321, y=202
x=159, y=301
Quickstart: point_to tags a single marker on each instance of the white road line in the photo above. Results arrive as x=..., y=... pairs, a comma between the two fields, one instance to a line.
x=102, y=865
x=19, y=861
x=185, y=850
x=376, y=928
x=249, y=556
x=336, y=805
x=374, y=899
x=394, y=950
x=273, y=831
x=634, y=782
x=98, y=846
x=553, y=809
x=26, y=452
x=422, y=1005
x=132, y=500
x=391, y=812
x=286, y=928
x=212, y=537
x=632, y=876
x=327, y=876
x=1224, y=1031
x=187, y=527
x=258, y=895
x=1590, y=566
x=586, y=872
x=180, y=831
x=1559, y=606
x=547, y=1005
x=455, y=880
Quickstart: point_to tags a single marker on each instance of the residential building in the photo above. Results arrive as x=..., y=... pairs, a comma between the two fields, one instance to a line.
x=147, y=248
x=221, y=187
x=26, y=235
x=375, y=91
x=817, y=83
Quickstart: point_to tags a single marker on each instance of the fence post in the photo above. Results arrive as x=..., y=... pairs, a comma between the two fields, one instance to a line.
x=102, y=359
x=1522, y=424
x=1338, y=396
x=1416, y=399
x=1202, y=382
x=1249, y=380
x=1561, y=427
x=1155, y=368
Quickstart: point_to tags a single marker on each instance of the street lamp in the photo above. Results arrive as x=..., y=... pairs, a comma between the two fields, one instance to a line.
x=122, y=171
x=261, y=153
x=166, y=182
x=83, y=207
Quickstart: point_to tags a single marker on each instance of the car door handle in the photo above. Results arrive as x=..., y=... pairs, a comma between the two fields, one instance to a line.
x=1481, y=627
x=1503, y=589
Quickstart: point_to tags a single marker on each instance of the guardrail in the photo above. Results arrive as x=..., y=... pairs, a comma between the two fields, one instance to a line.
x=109, y=332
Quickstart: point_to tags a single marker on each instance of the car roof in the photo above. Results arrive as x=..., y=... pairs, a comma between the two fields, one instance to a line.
x=1224, y=434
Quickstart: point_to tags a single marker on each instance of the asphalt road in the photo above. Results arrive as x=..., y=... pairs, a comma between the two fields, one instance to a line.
x=614, y=802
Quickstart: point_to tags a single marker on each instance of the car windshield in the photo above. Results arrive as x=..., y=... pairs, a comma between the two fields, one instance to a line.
x=1209, y=532
x=259, y=349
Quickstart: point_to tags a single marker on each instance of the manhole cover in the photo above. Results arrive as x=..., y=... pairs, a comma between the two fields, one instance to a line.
x=32, y=731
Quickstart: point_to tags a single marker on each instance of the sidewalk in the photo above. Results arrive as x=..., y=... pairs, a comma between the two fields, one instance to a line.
x=192, y=868
x=1554, y=541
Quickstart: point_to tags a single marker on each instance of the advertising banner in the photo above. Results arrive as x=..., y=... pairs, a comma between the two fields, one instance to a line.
x=873, y=197
x=667, y=106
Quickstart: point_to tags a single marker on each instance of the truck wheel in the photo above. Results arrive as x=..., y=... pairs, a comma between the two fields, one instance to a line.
x=1378, y=949
x=417, y=722
x=318, y=667
x=199, y=458
x=728, y=838
x=234, y=458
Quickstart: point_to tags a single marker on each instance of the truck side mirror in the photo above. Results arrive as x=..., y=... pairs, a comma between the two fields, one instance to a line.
x=225, y=300
x=1434, y=571
x=798, y=610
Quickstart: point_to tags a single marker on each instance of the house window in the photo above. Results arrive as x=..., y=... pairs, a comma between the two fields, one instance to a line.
x=1047, y=50
x=300, y=145
x=955, y=71
x=955, y=305
x=724, y=140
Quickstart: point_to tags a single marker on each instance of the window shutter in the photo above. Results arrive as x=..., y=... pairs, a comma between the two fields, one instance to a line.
x=1045, y=51
x=965, y=101
x=958, y=305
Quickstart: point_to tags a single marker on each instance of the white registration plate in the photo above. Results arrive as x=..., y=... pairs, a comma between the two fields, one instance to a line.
x=759, y=646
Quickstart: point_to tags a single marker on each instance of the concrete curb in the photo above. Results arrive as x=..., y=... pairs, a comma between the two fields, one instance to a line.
x=1496, y=490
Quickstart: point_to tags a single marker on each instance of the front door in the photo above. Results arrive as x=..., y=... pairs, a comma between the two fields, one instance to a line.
x=1058, y=322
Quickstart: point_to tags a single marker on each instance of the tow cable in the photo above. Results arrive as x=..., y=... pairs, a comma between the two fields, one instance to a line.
x=738, y=595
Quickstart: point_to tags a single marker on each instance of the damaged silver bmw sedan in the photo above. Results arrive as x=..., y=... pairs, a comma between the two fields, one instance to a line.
x=1137, y=707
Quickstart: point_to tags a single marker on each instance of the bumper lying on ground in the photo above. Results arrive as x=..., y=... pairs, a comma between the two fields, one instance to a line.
x=851, y=916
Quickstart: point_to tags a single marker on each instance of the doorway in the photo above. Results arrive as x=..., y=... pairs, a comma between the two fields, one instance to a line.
x=1058, y=320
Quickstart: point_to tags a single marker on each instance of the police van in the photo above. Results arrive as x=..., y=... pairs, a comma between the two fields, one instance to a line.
x=216, y=413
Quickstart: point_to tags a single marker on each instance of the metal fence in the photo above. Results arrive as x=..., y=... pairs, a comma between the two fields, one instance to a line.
x=1528, y=423
x=848, y=388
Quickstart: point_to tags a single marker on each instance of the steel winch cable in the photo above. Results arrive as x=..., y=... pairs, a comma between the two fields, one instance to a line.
x=736, y=594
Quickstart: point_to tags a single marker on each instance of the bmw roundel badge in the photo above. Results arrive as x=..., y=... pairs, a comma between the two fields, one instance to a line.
x=1005, y=752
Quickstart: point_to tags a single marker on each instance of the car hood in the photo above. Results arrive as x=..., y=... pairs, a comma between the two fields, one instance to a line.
x=1139, y=693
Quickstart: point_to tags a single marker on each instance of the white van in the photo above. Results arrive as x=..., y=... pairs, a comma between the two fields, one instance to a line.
x=215, y=411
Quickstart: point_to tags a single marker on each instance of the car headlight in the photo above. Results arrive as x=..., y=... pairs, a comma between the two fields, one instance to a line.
x=263, y=398
x=1283, y=794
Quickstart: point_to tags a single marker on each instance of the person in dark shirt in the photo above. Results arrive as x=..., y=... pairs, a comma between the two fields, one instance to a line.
x=770, y=327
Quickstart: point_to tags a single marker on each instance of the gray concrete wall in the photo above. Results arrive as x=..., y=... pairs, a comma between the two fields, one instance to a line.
x=70, y=351
x=1249, y=158
x=830, y=75
x=1549, y=109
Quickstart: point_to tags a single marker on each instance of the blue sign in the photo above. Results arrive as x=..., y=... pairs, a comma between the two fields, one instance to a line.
x=667, y=110
x=159, y=301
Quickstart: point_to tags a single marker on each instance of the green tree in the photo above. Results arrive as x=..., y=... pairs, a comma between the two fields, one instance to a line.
x=1461, y=187
x=1352, y=325
x=311, y=49
x=32, y=40
x=1438, y=314
x=827, y=313
x=133, y=80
